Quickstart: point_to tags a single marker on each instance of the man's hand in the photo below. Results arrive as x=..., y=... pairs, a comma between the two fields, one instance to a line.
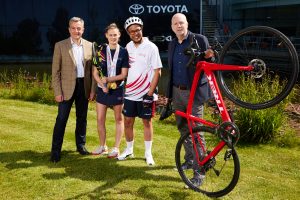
x=59, y=98
x=92, y=96
x=209, y=53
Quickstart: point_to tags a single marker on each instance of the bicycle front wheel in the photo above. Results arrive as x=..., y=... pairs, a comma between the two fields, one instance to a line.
x=221, y=172
x=275, y=62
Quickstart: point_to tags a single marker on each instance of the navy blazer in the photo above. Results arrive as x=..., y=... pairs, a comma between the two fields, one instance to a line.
x=203, y=92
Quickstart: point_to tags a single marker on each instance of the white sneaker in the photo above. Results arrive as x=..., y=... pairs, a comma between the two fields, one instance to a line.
x=101, y=150
x=113, y=153
x=149, y=160
x=126, y=153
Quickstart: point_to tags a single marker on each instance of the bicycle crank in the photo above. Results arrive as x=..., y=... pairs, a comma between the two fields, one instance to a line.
x=229, y=133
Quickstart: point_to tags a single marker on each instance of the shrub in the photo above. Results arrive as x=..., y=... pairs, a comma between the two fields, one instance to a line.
x=23, y=86
x=261, y=126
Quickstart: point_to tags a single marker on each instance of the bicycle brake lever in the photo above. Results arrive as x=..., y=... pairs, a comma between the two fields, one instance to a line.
x=188, y=51
x=194, y=53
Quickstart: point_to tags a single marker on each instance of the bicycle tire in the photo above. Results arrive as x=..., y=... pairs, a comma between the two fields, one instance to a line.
x=213, y=185
x=277, y=67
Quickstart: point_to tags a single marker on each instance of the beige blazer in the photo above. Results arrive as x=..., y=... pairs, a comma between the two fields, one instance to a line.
x=64, y=71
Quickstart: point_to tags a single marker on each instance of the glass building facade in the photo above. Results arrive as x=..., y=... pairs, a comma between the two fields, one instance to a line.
x=30, y=28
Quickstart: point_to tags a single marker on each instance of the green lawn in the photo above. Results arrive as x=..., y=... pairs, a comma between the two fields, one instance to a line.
x=267, y=172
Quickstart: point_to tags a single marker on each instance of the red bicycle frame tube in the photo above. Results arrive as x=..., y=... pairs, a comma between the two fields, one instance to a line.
x=208, y=69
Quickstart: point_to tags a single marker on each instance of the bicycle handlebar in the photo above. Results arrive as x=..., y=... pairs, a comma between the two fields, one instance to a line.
x=195, y=51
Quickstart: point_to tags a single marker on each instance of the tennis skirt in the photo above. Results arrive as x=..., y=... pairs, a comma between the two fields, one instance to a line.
x=113, y=97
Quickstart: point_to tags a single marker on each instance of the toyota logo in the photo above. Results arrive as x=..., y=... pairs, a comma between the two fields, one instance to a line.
x=136, y=9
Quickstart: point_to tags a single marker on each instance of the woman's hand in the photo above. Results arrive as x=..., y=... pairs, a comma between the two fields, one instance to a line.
x=105, y=89
x=104, y=79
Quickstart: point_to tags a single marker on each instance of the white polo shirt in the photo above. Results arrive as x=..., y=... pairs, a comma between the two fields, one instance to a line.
x=142, y=62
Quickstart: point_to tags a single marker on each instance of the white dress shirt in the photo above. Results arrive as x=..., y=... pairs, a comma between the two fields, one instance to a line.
x=78, y=55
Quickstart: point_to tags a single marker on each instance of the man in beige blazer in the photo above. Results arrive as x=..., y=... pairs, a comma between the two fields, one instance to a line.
x=72, y=81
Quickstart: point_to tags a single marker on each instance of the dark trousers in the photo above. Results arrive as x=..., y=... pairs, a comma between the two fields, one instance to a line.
x=81, y=105
x=180, y=102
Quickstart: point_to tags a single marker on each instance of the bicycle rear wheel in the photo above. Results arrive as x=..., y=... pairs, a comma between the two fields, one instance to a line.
x=221, y=172
x=276, y=67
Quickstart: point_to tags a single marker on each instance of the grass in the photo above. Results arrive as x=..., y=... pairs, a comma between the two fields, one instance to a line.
x=256, y=126
x=267, y=172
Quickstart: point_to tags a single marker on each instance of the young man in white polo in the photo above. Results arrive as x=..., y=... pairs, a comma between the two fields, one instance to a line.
x=143, y=75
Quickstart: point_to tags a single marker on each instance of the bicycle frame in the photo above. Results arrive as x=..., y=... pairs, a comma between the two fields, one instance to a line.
x=208, y=69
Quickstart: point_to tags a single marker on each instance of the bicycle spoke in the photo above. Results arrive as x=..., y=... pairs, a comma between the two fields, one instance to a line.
x=275, y=63
x=221, y=171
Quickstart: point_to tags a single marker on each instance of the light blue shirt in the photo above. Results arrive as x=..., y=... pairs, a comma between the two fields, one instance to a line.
x=78, y=55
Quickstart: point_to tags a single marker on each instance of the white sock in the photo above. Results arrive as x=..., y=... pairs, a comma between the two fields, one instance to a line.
x=148, y=147
x=130, y=145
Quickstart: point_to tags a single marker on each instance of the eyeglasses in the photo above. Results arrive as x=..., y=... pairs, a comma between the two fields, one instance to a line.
x=135, y=31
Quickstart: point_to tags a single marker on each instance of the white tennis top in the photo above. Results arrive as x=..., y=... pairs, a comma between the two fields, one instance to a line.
x=142, y=62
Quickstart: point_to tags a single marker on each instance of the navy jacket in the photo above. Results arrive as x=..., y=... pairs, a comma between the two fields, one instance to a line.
x=203, y=92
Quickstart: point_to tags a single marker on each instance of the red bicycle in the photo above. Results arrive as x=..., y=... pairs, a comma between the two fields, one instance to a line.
x=260, y=57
